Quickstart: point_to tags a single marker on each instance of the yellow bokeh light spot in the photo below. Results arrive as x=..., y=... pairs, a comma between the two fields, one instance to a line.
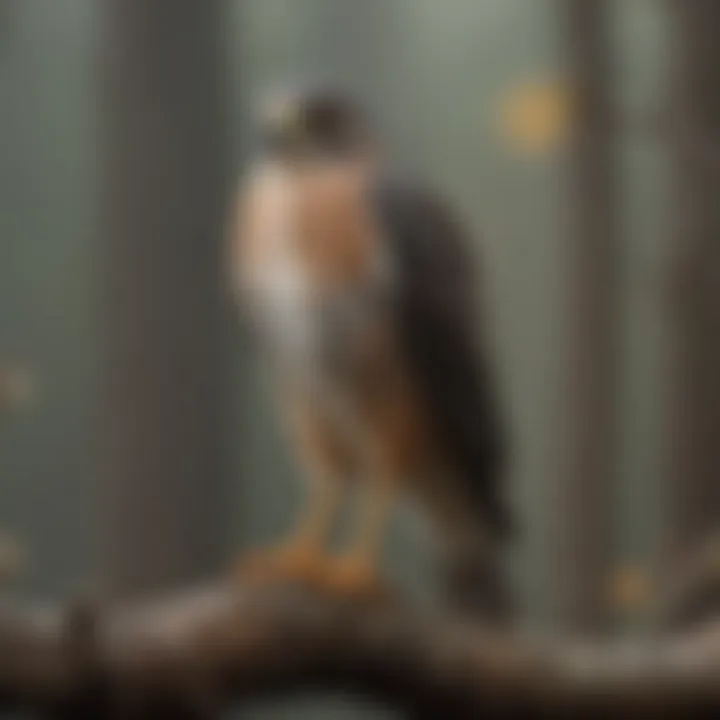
x=629, y=589
x=534, y=117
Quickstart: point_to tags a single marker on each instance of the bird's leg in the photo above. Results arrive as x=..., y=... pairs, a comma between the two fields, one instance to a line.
x=301, y=556
x=391, y=456
x=355, y=572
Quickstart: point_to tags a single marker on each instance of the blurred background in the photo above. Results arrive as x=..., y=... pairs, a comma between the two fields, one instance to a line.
x=578, y=139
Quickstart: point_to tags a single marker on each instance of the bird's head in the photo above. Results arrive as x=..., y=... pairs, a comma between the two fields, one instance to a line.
x=314, y=123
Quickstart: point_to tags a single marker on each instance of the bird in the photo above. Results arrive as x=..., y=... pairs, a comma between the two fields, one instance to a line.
x=360, y=287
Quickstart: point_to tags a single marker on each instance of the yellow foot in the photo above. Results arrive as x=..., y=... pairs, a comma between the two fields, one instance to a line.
x=355, y=579
x=291, y=563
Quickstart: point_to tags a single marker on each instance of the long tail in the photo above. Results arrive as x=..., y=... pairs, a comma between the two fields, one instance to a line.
x=477, y=584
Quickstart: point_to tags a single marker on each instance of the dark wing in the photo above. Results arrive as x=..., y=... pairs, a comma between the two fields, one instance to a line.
x=439, y=320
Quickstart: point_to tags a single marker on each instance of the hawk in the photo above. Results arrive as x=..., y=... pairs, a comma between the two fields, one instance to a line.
x=362, y=292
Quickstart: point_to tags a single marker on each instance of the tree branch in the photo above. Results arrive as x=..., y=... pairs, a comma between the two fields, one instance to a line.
x=195, y=654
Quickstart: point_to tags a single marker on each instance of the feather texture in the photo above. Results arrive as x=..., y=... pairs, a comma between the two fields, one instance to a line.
x=438, y=318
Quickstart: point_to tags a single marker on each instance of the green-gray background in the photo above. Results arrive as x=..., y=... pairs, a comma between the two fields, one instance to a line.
x=434, y=71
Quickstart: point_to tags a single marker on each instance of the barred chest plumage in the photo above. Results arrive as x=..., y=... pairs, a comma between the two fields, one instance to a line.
x=316, y=289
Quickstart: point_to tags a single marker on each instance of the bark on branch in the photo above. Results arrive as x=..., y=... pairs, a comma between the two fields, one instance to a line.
x=196, y=654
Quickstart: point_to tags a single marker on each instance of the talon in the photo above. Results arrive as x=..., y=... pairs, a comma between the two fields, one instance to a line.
x=286, y=564
x=355, y=579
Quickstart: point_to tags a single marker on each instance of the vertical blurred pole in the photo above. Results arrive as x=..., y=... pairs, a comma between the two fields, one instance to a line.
x=693, y=381
x=166, y=133
x=583, y=521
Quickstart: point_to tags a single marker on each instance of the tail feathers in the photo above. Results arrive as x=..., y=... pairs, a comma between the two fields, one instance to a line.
x=477, y=586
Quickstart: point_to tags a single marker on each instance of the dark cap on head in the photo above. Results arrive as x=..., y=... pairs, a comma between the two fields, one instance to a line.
x=321, y=122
